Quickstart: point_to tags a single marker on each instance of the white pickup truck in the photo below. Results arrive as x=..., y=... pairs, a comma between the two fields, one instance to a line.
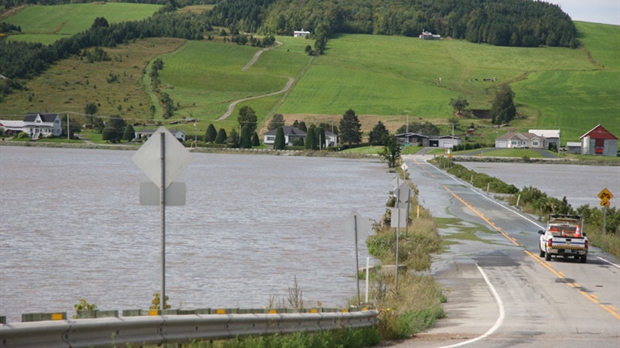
x=564, y=237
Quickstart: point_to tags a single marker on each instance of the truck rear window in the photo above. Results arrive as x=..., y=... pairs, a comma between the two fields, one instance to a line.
x=564, y=231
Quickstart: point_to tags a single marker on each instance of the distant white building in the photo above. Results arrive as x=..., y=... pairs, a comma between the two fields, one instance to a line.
x=427, y=35
x=37, y=125
x=300, y=33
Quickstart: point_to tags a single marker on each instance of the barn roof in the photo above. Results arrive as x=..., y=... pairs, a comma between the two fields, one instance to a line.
x=599, y=132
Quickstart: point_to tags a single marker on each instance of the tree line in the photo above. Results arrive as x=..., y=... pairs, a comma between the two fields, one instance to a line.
x=177, y=3
x=496, y=22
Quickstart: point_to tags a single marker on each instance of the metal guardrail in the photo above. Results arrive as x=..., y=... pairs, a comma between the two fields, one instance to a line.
x=157, y=330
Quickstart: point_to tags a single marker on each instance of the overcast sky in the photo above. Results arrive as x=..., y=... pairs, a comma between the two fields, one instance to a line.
x=597, y=11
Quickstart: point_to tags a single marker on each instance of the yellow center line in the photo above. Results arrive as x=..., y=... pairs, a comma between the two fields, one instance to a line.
x=591, y=297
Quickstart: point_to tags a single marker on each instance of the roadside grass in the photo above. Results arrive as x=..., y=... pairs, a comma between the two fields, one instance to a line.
x=70, y=19
x=491, y=152
x=415, y=304
x=365, y=149
x=72, y=83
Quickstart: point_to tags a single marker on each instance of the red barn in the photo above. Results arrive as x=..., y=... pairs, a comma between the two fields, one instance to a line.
x=599, y=141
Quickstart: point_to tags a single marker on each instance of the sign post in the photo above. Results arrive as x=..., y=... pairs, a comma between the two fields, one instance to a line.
x=354, y=223
x=162, y=158
x=605, y=196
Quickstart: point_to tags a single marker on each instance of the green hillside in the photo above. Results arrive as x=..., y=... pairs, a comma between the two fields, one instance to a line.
x=52, y=23
x=380, y=77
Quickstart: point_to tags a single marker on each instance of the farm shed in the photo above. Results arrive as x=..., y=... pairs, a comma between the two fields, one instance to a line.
x=573, y=147
x=552, y=135
x=412, y=139
x=599, y=141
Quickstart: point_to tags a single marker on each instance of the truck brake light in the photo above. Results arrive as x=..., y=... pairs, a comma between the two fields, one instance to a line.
x=550, y=242
x=586, y=244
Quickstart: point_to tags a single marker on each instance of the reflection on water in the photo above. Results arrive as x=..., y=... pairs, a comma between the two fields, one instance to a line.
x=72, y=228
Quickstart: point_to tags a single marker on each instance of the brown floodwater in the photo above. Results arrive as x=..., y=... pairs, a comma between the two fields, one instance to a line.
x=72, y=227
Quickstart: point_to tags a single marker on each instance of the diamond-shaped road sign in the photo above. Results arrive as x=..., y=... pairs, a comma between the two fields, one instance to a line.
x=605, y=196
x=148, y=157
x=355, y=219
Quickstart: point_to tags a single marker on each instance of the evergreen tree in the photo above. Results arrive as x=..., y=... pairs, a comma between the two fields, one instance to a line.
x=255, y=140
x=221, y=136
x=320, y=137
x=211, y=134
x=279, y=143
x=376, y=135
x=245, y=141
x=276, y=121
x=350, y=128
x=311, y=142
x=503, y=109
x=233, y=138
x=296, y=124
x=329, y=127
x=129, y=133
x=109, y=134
x=247, y=117
x=302, y=126
x=91, y=110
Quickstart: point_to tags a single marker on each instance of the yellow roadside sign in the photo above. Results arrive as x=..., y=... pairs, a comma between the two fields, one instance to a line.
x=605, y=194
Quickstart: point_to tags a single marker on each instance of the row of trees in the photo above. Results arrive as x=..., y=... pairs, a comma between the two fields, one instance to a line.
x=177, y=3
x=497, y=22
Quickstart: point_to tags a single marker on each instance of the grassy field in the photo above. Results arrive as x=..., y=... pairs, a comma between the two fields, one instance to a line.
x=72, y=83
x=576, y=101
x=380, y=77
x=204, y=84
x=59, y=21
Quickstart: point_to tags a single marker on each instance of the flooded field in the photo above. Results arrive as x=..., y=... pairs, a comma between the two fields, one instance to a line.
x=72, y=227
x=578, y=183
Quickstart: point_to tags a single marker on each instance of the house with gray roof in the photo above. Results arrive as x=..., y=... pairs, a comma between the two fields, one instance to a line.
x=37, y=125
x=290, y=135
x=513, y=140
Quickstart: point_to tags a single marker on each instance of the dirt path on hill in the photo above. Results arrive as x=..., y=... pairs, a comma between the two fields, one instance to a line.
x=288, y=86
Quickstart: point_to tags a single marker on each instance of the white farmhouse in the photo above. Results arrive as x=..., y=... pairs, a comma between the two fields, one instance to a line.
x=301, y=33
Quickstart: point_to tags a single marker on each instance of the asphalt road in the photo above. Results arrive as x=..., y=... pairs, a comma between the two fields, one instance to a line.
x=500, y=292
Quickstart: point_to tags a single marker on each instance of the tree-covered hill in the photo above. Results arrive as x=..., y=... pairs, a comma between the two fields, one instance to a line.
x=497, y=22
x=525, y=23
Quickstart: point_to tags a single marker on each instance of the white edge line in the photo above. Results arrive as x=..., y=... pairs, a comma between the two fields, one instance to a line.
x=609, y=262
x=476, y=191
x=498, y=322
x=501, y=205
